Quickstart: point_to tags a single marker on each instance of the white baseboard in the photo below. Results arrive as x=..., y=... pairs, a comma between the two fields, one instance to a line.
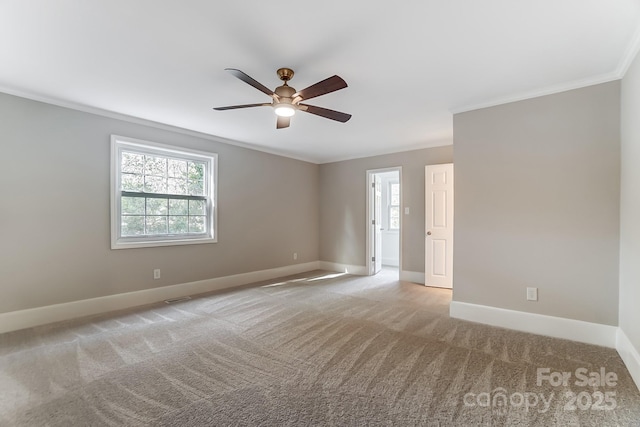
x=629, y=355
x=558, y=327
x=412, y=276
x=358, y=270
x=21, y=319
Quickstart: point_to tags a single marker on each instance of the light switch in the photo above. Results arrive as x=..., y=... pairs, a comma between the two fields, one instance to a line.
x=406, y=211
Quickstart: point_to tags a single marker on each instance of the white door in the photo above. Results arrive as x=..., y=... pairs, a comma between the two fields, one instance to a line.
x=376, y=223
x=439, y=225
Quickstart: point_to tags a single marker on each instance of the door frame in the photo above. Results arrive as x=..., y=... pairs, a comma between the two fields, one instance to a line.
x=369, y=250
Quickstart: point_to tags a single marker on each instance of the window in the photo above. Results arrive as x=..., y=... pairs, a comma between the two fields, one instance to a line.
x=161, y=195
x=394, y=206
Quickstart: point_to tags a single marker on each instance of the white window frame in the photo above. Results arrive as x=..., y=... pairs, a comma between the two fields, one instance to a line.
x=121, y=143
x=389, y=198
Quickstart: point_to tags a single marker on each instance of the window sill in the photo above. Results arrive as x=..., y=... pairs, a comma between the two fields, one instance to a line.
x=132, y=244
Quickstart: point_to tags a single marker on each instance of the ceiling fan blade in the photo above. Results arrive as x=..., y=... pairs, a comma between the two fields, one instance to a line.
x=283, y=122
x=325, y=112
x=251, y=81
x=328, y=85
x=235, y=107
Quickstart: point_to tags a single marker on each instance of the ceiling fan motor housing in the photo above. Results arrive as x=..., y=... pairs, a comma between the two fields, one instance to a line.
x=285, y=91
x=286, y=100
x=284, y=105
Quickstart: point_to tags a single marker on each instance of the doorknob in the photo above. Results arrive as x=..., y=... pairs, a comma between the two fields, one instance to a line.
x=428, y=233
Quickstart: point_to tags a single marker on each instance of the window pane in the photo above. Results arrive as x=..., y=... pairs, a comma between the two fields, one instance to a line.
x=197, y=207
x=196, y=188
x=132, y=225
x=196, y=171
x=177, y=186
x=133, y=163
x=132, y=205
x=394, y=217
x=177, y=168
x=395, y=194
x=178, y=225
x=156, y=224
x=156, y=166
x=157, y=206
x=130, y=182
x=196, y=224
x=178, y=207
x=155, y=184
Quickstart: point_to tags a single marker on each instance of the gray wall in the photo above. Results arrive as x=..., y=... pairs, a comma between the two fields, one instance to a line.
x=54, y=216
x=630, y=206
x=537, y=204
x=343, y=230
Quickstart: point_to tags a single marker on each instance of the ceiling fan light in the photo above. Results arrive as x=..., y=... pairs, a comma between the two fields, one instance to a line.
x=285, y=110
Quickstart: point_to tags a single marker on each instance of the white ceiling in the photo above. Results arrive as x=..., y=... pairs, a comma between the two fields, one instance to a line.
x=409, y=64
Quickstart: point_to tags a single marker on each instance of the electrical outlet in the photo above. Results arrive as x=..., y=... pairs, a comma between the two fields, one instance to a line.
x=156, y=273
x=532, y=294
x=295, y=256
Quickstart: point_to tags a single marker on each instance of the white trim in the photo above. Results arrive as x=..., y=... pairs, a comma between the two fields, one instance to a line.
x=358, y=270
x=120, y=143
x=145, y=122
x=629, y=55
x=21, y=319
x=429, y=143
x=549, y=90
x=629, y=355
x=434, y=143
x=412, y=276
x=368, y=239
x=558, y=327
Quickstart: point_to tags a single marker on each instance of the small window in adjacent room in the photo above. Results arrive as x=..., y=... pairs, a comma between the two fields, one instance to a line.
x=394, y=206
x=161, y=195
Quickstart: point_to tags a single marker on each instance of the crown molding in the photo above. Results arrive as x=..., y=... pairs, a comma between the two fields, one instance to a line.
x=146, y=122
x=630, y=54
x=549, y=90
x=441, y=142
x=625, y=62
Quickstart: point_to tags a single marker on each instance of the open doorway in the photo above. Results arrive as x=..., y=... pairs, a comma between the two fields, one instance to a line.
x=384, y=220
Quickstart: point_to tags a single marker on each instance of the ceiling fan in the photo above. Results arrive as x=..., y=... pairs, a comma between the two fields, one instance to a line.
x=286, y=100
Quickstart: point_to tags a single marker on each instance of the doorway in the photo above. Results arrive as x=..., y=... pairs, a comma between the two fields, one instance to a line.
x=384, y=220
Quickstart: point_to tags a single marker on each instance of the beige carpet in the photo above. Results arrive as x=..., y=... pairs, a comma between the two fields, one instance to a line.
x=315, y=349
